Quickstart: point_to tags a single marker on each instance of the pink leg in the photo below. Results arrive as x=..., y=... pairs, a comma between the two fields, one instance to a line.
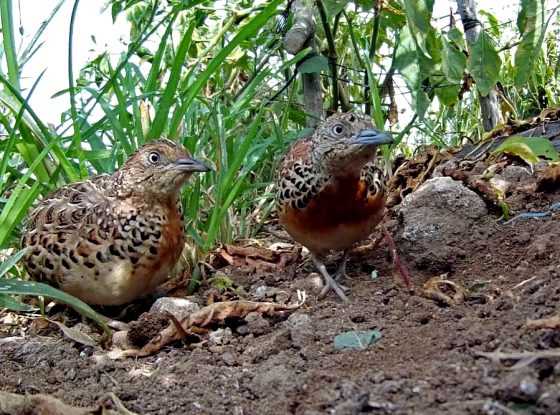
x=401, y=268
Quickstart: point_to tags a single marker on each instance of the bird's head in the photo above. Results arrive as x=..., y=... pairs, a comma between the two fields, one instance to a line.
x=345, y=142
x=158, y=168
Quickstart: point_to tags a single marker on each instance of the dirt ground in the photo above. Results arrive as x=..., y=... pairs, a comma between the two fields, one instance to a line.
x=427, y=361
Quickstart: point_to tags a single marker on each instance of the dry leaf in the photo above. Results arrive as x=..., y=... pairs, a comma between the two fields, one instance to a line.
x=211, y=314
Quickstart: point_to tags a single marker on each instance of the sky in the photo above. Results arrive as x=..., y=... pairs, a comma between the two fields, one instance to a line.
x=93, y=21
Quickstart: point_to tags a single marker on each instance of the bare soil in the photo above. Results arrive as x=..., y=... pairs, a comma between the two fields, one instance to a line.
x=426, y=362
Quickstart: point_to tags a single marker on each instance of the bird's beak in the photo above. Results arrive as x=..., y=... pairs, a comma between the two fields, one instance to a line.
x=371, y=137
x=189, y=164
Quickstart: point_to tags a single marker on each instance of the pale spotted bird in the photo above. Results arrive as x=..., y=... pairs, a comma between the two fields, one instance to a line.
x=330, y=191
x=113, y=238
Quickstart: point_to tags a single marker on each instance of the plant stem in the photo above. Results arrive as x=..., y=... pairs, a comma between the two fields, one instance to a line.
x=371, y=54
x=9, y=42
x=332, y=55
x=74, y=113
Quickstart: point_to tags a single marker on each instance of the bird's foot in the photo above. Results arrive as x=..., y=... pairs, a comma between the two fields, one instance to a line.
x=330, y=282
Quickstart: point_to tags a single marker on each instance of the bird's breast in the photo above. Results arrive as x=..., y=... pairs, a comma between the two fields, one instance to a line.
x=342, y=213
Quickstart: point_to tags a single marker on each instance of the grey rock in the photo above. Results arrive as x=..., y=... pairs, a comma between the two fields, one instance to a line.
x=178, y=307
x=257, y=324
x=519, y=386
x=515, y=174
x=220, y=337
x=301, y=329
x=435, y=218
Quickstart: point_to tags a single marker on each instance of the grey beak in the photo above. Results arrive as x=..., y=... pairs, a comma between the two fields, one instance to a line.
x=371, y=137
x=191, y=164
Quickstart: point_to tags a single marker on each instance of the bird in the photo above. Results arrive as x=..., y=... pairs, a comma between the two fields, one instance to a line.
x=331, y=193
x=112, y=239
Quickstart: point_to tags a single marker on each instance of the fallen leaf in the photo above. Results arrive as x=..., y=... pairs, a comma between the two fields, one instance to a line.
x=530, y=149
x=75, y=335
x=211, y=314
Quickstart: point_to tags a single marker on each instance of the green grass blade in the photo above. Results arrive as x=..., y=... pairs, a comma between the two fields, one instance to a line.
x=9, y=42
x=192, y=90
x=19, y=287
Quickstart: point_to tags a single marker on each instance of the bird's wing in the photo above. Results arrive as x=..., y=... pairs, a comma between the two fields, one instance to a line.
x=374, y=177
x=72, y=206
x=299, y=179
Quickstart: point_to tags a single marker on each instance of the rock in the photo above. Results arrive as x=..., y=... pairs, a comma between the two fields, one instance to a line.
x=257, y=324
x=301, y=329
x=120, y=339
x=435, y=218
x=178, y=307
x=313, y=283
x=220, y=337
x=520, y=386
x=515, y=174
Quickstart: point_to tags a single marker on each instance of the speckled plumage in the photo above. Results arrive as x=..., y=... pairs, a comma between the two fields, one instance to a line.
x=113, y=238
x=330, y=191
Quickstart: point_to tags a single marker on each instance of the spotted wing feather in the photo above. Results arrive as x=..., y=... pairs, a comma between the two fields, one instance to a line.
x=299, y=179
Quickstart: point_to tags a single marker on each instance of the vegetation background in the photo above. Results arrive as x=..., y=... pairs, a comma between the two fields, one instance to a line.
x=215, y=76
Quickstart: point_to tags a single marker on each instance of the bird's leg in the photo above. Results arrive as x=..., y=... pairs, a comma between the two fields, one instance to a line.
x=330, y=283
x=341, y=271
x=401, y=268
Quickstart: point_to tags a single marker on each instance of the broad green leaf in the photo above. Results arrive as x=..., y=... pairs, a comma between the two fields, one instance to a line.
x=333, y=7
x=448, y=94
x=20, y=287
x=314, y=64
x=484, y=63
x=453, y=62
x=457, y=37
x=531, y=25
x=493, y=23
x=530, y=149
x=407, y=63
x=418, y=15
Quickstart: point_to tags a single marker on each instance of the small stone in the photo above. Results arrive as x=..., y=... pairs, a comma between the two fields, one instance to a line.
x=178, y=307
x=260, y=292
x=220, y=336
x=229, y=359
x=301, y=329
x=515, y=174
x=313, y=283
x=257, y=324
x=521, y=386
x=120, y=339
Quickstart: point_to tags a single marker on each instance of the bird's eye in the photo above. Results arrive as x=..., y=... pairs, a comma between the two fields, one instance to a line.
x=338, y=129
x=154, y=157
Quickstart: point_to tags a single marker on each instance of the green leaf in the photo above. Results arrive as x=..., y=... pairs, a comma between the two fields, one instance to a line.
x=315, y=64
x=492, y=23
x=359, y=340
x=530, y=149
x=453, y=62
x=531, y=25
x=20, y=287
x=11, y=262
x=419, y=15
x=484, y=63
x=333, y=7
x=448, y=94
x=12, y=304
x=457, y=37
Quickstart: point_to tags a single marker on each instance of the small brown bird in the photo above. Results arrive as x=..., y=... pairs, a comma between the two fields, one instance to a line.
x=113, y=238
x=330, y=192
